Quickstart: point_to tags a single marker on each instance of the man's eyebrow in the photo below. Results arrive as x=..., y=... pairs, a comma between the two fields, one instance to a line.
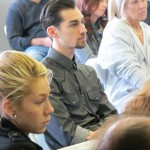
x=74, y=21
x=42, y=95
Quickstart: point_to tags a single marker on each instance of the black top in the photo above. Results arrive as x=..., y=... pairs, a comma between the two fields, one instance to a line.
x=12, y=138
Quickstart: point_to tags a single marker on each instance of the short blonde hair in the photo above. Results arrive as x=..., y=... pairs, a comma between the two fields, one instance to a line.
x=140, y=102
x=17, y=73
x=116, y=9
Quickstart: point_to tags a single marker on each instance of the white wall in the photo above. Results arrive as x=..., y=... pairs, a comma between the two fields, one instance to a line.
x=4, y=5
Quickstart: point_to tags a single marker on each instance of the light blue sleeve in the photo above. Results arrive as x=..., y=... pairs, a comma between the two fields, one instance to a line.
x=83, y=54
x=80, y=135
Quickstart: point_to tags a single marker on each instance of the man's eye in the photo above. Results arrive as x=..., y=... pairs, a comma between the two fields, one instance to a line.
x=74, y=24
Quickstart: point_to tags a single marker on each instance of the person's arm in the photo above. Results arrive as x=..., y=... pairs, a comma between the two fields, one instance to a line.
x=45, y=41
x=62, y=128
x=122, y=56
x=19, y=34
x=15, y=30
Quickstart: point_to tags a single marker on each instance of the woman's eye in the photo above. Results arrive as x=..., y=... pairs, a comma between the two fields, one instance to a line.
x=134, y=1
x=40, y=101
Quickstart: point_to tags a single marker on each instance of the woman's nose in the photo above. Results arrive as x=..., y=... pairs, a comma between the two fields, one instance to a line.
x=49, y=108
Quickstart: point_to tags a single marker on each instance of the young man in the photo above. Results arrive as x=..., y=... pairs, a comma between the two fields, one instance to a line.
x=76, y=93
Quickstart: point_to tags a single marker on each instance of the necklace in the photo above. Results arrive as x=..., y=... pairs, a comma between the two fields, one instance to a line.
x=138, y=31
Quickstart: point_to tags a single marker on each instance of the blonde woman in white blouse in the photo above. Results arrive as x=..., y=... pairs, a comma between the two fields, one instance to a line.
x=124, y=53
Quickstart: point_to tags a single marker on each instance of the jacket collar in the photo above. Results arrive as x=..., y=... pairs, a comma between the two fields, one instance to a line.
x=62, y=60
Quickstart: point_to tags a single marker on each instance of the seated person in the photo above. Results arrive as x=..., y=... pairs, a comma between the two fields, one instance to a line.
x=124, y=54
x=25, y=107
x=77, y=95
x=130, y=133
x=95, y=16
x=24, y=31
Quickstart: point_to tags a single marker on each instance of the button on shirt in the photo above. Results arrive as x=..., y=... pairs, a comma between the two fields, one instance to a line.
x=78, y=100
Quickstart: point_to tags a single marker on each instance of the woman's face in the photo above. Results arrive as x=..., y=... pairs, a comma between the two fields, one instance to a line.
x=33, y=113
x=136, y=10
x=99, y=12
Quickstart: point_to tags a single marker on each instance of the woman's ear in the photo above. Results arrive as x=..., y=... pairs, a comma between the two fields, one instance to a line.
x=52, y=32
x=7, y=109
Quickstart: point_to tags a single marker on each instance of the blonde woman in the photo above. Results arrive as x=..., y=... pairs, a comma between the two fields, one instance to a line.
x=24, y=103
x=124, y=52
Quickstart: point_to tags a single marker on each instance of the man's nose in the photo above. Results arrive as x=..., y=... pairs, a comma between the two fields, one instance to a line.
x=82, y=29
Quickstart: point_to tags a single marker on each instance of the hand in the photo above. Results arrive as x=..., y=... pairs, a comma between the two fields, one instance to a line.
x=91, y=135
x=46, y=41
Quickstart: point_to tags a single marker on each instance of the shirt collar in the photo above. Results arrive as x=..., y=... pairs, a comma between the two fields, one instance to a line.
x=62, y=60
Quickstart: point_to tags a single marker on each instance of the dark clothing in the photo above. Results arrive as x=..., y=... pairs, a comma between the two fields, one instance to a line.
x=23, y=23
x=78, y=99
x=94, y=41
x=12, y=138
x=148, y=13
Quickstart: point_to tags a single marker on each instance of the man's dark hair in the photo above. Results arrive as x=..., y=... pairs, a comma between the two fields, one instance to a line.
x=50, y=14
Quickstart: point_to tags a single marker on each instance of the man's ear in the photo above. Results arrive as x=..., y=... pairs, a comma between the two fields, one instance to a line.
x=7, y=109
x=52, y=32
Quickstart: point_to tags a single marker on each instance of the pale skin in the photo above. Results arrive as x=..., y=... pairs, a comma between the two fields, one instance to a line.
x=99, y=12
x=70, y=34
x=135, y=11
x=91, y=135
x=36, y=1
x=45, y=41
x=33, y=113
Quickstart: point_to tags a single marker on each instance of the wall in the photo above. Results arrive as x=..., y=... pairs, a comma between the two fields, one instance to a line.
x=4, y=5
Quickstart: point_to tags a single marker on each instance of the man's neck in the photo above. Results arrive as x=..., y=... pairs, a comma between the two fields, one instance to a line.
x=68, y=52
